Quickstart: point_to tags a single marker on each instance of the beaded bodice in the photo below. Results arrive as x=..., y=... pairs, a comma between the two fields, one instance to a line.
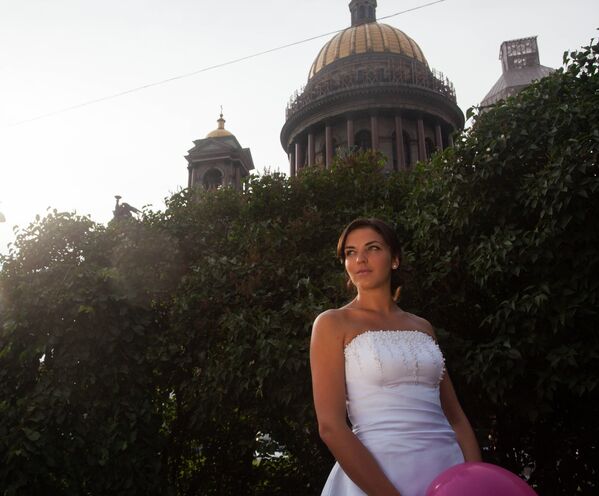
x=392, y=383
x=394, y=357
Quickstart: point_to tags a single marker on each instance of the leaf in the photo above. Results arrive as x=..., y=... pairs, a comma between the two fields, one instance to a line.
x=31, y=434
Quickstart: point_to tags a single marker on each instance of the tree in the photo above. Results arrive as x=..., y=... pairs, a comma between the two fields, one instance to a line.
x=503, y=229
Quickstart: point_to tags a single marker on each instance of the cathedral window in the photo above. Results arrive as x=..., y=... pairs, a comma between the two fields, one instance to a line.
x=213, y=179
x=430, y=147
x=363, y=140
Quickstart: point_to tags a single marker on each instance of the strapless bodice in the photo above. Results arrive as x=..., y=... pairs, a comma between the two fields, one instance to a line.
x=392, y=380
x=391, y=358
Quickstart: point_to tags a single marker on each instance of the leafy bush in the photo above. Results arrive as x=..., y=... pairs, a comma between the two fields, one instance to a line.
x=503, y=233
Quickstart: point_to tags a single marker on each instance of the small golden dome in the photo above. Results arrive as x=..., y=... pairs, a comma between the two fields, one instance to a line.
x=220, y=131
x=373, y=37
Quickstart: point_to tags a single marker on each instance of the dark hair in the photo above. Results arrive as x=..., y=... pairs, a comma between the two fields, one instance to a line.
x=389, y=236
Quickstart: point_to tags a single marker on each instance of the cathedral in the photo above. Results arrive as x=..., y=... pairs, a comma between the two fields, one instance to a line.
x=369, y=87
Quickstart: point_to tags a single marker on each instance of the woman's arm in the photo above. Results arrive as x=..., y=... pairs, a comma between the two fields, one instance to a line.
x=328, y=385
x=454, y=413
x=458, y=420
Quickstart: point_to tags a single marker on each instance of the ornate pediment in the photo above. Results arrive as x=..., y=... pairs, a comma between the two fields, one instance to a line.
x=208, y=146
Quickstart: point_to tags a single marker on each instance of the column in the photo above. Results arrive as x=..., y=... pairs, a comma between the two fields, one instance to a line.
x=374, y=132
x=299, y=159
x=350, y=133
x=438, y=137
x=292, y=170
x=421, y=144
x=399, y=149
x=328, y=136
x=310, y=148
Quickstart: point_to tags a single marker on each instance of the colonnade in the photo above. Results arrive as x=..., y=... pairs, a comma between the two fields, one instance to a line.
x=302, y=150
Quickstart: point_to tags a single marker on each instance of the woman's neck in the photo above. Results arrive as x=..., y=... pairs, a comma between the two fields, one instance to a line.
x=378, y=301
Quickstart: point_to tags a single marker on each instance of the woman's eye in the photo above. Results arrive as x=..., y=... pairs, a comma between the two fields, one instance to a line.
x=374, y=247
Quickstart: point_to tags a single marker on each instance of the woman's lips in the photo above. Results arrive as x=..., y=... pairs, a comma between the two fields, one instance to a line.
x=363, y=272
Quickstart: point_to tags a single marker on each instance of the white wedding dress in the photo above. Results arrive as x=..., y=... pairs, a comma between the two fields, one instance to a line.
x=392, y=380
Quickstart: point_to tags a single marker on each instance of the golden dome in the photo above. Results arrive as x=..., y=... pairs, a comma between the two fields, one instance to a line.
x=220, y=131
x=373, y=37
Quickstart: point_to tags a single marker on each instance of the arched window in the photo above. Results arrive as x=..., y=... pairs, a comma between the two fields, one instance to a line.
x=430, y=148
x=363, y=140
x=361, y=12
x=213, y=178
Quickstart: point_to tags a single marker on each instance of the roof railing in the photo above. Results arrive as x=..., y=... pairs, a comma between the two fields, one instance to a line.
x=355, y=77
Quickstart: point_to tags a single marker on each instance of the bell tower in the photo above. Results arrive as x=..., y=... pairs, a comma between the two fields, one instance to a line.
x=218, y=160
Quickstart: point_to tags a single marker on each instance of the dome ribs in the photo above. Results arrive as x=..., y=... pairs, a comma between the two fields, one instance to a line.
x=392, y=40
x=342, y=43
x=331, y=50
x=415, y=49
x=319, y=62
x=360, y=44
x=369, y=47
x=383, y=35
x=366, y=38
x=352, y=43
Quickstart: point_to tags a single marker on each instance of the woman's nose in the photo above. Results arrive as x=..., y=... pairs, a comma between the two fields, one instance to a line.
x=361, y=256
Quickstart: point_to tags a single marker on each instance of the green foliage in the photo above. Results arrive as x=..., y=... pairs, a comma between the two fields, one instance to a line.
x=77, y=381
x=241, y=323
x=170, y=355
x=503, y=231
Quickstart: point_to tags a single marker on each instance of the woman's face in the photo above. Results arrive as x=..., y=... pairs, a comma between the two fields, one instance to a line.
x=368, y=259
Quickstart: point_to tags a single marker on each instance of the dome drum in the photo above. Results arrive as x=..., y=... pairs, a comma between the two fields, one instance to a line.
x=375, y=71
x=420, y=136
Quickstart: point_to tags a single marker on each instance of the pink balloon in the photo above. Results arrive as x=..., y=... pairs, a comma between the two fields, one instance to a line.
x=478, y=479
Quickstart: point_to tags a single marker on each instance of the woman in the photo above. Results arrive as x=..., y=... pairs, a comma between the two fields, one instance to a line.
x=383, y=368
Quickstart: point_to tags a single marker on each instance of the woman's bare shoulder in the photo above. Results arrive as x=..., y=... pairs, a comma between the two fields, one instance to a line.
x=331, y=323
x=422, y=324
x=331, y=318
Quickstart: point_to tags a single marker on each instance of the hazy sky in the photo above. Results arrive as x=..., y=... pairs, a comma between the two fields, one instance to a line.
x=60, y=53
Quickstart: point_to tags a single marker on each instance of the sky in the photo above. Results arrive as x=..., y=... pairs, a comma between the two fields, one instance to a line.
x=60, y=54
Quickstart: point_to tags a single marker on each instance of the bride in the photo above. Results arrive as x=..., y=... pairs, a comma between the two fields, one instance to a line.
x=381, y=367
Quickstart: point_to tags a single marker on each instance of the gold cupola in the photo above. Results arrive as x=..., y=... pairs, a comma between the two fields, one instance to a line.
x=366, y=36
x=220, y=131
